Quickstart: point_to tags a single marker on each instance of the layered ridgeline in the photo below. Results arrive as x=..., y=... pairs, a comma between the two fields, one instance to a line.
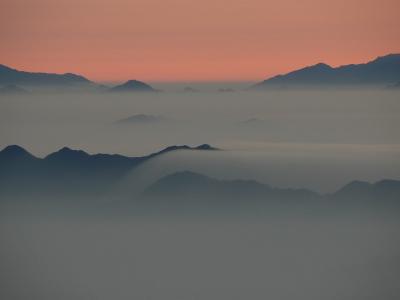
x=14, y=81
x=67, y=171
x=75, y=174
x=182, y=186
x=382, y=72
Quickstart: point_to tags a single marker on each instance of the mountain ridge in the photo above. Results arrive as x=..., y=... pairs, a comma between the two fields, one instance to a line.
x=68, y=170
x=191, y=184
x=10, y=76
x=381, y=71
x=73, y=173
x=16, y=149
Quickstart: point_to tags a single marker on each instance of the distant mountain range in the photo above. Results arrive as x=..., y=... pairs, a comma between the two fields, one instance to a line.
x=185, y=185
x=9, y=76
x=13, y=81
x=382, y=71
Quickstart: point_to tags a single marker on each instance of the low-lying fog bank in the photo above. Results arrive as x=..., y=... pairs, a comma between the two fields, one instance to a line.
x=50, y=258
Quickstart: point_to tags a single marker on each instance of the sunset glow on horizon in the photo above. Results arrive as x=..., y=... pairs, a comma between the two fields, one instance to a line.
x=178, y=40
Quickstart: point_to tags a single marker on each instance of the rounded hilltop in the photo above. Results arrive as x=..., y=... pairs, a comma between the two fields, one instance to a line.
x=133, y=86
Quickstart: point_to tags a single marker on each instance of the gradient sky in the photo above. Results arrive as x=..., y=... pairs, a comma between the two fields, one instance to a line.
x=182, y=40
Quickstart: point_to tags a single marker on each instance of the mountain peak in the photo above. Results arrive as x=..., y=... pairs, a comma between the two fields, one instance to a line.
x=133, y=86
x=75, y=77
x=322, y=66
x=66, y=153
x=354, y=188
x=14, y=151
x=175, y=147
x=132, y=82
x=205, y=147
x=65, y=149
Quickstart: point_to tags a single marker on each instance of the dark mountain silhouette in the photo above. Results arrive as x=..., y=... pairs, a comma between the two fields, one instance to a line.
x=382, y=190
x=68, y=171
x=188, y=184
x=184, y=188
x=132, y=86
x=141, y=119
x=75, y=174
x=9, y=76
x=359, y=188
x=15, y=156
x=206, y=147
x=12, y=89
x=382, y=71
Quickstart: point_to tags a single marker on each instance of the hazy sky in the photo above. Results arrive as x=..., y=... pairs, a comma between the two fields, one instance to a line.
x=175, y=40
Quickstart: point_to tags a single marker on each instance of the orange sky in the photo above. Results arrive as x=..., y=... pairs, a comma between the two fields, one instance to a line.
x=183, y=40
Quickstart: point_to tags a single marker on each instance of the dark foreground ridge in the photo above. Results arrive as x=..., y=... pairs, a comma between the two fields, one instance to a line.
x=383, y=71
x=75, y=174
x=68, y=170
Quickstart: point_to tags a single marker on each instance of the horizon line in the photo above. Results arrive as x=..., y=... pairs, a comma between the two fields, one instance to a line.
x=200, y=81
